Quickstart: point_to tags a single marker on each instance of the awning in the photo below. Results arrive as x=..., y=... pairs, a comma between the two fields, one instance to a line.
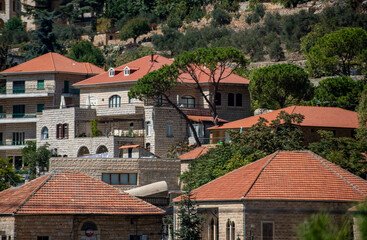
x=129, y=146
x=204, y=119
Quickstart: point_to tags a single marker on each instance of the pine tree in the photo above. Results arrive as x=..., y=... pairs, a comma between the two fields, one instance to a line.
x=190, y=223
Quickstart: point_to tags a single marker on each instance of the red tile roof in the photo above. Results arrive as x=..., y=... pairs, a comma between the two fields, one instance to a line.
x=54, y=62
x=193, y=154
x=130, y=146
x=293, y=175
x=314, y=117
x=142, y=66
x=71, y=193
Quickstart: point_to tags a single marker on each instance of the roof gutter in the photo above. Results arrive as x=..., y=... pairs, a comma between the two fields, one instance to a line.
x=48, y=72
x=101, y=84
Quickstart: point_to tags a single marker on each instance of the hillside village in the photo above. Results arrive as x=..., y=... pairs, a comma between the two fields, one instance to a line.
x=184, y=120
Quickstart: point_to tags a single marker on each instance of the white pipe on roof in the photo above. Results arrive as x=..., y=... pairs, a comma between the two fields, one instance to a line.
x=149, y=189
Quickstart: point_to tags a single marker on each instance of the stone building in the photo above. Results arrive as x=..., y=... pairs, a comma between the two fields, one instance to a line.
x=8, y=9
x=269, y=198
x=72, y=205
x=340, y=121
x=155, y=125
x=28, y=89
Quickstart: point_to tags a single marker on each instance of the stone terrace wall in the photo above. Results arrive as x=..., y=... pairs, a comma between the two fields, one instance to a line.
x=7, y=226
x=148, y=170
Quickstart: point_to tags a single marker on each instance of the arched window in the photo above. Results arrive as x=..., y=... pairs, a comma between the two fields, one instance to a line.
x=115, y=101
x=111, y=72
x=212, y=230
x=89, y=226
x=218, y=99
x=230, y=99
x=228, y=230
x=83, y=151
x=149, y=128
x=101, y=149
x=44, y=133
x=233, y=231
x=239, y=100
x=188, y=101
x=126, y=71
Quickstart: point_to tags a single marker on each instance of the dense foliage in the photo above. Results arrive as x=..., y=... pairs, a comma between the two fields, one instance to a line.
x=36, y=158
x=341, y=92
x=85, y=51
x=279, y=85
x=8, y=177
x=134, y=28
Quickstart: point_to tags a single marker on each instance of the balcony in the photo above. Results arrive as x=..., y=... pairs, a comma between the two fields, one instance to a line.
x=18, y=118
x=70, y=92
x=26, y=92
x=119, y=111
x=15, y=145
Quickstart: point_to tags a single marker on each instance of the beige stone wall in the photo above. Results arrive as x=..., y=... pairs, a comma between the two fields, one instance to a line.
x=66, y=227
x=310, y=133
x=149, y=170
x=7, y=226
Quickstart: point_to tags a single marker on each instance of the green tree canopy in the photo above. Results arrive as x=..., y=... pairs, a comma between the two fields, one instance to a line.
x=7, y=176
x=279, y=85
x=85, y=51
x=221, y=17
x=134, y=28
x=340, y=92
x=337, y=52
x=216, y=63
x=36, y=158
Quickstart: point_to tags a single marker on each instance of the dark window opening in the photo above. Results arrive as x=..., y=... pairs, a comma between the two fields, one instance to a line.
x=218, y=99
x=267, y=231
x=239, y=100
x=188, y=102
x=18, y=111
x=130, y=152
x=18, y=87
x=230, y=99
x=40, y=107
x=40, y=84
x=120, y=178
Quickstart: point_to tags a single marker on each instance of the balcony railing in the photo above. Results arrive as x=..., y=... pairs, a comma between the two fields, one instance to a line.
x=18, y=115
x=26, y=90
x=71, y=90
x=16, y=142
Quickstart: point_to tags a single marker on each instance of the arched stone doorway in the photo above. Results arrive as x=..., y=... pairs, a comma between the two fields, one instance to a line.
x=83, y=151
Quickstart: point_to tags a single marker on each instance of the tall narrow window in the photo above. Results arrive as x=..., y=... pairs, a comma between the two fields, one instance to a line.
x=44, y=133
x=188, y=101
x=115, y=101
x=40, y=84
x=228, y=230
x=66, y=130
x=66, y=87
x=239, y=100
x=230, y=99
x=233, y=231
x=131, y=130
x=147, y=146
x=126, y=71
x=129, y=152
x=18, y=138
x=169, y=130
x=149, y=128
x=218, y=99
x=267, y=230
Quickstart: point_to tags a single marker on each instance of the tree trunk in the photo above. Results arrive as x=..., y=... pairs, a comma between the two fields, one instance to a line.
x=197, y=140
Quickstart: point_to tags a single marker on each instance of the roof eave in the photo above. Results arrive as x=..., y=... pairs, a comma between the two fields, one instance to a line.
x=47, y=72
x=101, y=84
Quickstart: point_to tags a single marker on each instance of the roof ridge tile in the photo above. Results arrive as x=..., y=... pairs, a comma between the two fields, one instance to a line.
x=322, y=161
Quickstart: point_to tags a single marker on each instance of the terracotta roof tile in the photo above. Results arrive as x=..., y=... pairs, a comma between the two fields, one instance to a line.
x=195, y=153
x=314, y=117
x=204, y=119
x=142, y=66
x=54, y=62
x=71, y=193
x=297, y=175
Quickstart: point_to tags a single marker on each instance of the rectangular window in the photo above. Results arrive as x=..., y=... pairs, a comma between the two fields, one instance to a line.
x=18, y=162
x=66, y=87
x=129, y=152
x=18, y=87
x=169, y=130
x=239, y=100
x=1, y=139
x=40, y=107
x=267, y=229
x=3, y=237
x=120, y=178
x=18, y=111
x=218, y=99
x=18, y=138
x=62, y=131
x=2, y=115
x=40, y=84
x=230, y=99
x=138, y=237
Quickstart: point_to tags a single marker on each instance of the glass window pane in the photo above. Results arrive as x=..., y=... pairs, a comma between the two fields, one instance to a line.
x=132, y=178
x=114, y=179
x=124, y=178
x=106, y=177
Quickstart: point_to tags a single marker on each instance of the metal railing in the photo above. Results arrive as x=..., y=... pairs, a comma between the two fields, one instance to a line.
x=26, y=90
x=71, y=90
x=18, y=115
x=16, y=142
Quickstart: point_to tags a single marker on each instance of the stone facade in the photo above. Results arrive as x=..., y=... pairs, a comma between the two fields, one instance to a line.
x=285, y=216
x=148, y=170
x=67, y=226
x=8, y=9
